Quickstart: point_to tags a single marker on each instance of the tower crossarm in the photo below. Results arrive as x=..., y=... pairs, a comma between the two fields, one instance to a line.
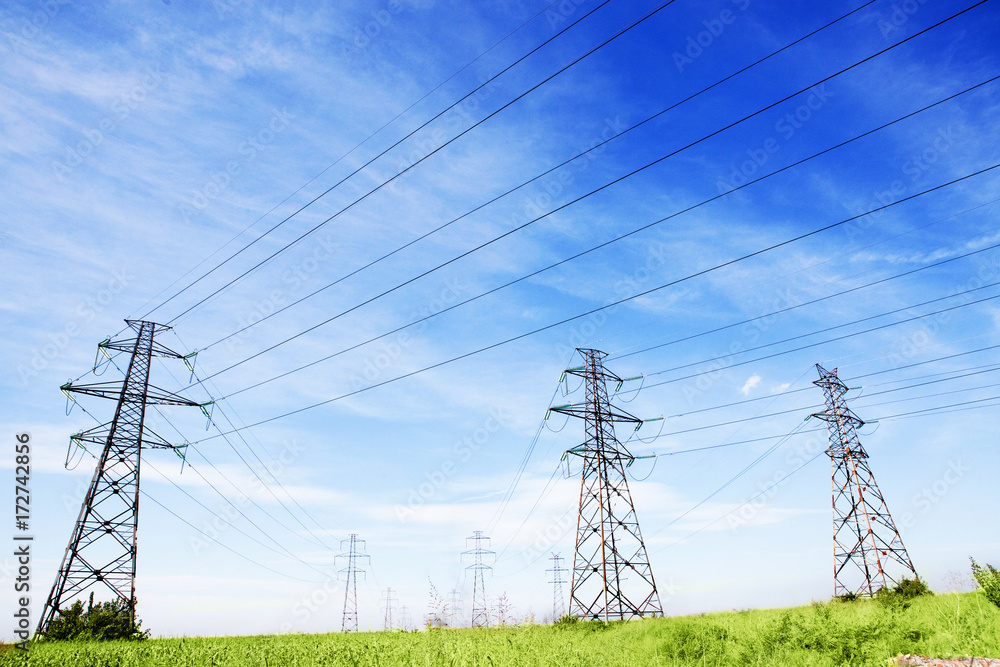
x=113, y=390
x=582, y=410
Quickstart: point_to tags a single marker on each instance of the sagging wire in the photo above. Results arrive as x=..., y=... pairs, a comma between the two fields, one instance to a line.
x=635, y=434
x=651, y=469
x=98, y=363
x=70, y=399
x=636, y=391
x=549, y=428
x=564, y=383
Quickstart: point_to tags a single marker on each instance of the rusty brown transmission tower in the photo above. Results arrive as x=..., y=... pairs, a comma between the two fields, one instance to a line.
x=612, y=578
x=865, y=539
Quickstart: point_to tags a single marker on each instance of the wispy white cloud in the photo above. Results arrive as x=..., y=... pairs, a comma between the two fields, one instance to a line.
x=750, y=384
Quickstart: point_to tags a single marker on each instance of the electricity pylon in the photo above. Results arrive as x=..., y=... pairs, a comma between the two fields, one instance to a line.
x=612, y=578
x=454, y=607
x=103, y=547
x=349, y=620
x=865, y=539
x=558, y=601
x=388, y=609
x=480, y=610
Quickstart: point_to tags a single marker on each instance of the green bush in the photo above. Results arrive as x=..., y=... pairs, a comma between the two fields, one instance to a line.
x=988, y=578
x=898, y=598
x=567, y=621
x=911, y=588
x=102, y=621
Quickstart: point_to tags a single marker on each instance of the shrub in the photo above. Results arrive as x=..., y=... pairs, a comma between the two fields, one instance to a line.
x=911, y=588
x=102, y=621
x=898, y=597
x=988, y=579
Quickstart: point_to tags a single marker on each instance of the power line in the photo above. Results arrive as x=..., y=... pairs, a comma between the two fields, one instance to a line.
x=231, y=550
x=751, y=499
x=824, y=342
x=285, y=553
x=541, y=175
x=975, y=371
x=592, y=192
x=546, y=268
x=252, y=471
x=442, y=146
x=334, y=163
x=809, y=303
x=618, y=302
x=264, y=466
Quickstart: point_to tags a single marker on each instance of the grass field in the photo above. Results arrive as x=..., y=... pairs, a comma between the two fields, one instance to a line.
x=865, y=632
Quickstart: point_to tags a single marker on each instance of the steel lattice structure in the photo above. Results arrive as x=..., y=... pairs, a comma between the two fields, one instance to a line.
x=480, y=609
x=558, y=601
x=389, y=600
x=454, y=607
x=612, y=577
x=865, y=539
x=349, y=619
x=102, y=550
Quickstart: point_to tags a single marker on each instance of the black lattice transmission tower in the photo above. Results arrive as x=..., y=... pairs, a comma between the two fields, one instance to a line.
x=102, y=550
x=612, y=578
x=865, y=540
x=479, y=554
x=354, y=554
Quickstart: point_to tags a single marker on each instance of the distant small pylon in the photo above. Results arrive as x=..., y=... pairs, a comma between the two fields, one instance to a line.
x=480, y=609
x=454, y=608
x=558, y=601
x=349, y=620
x=388, y=601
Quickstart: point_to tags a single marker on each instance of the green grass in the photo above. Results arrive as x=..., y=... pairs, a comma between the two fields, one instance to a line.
x=865, y=632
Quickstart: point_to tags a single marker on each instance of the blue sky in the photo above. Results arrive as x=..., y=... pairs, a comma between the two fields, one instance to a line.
x=144, y=143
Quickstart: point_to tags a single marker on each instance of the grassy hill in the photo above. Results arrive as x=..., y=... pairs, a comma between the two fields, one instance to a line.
x=865, y=632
